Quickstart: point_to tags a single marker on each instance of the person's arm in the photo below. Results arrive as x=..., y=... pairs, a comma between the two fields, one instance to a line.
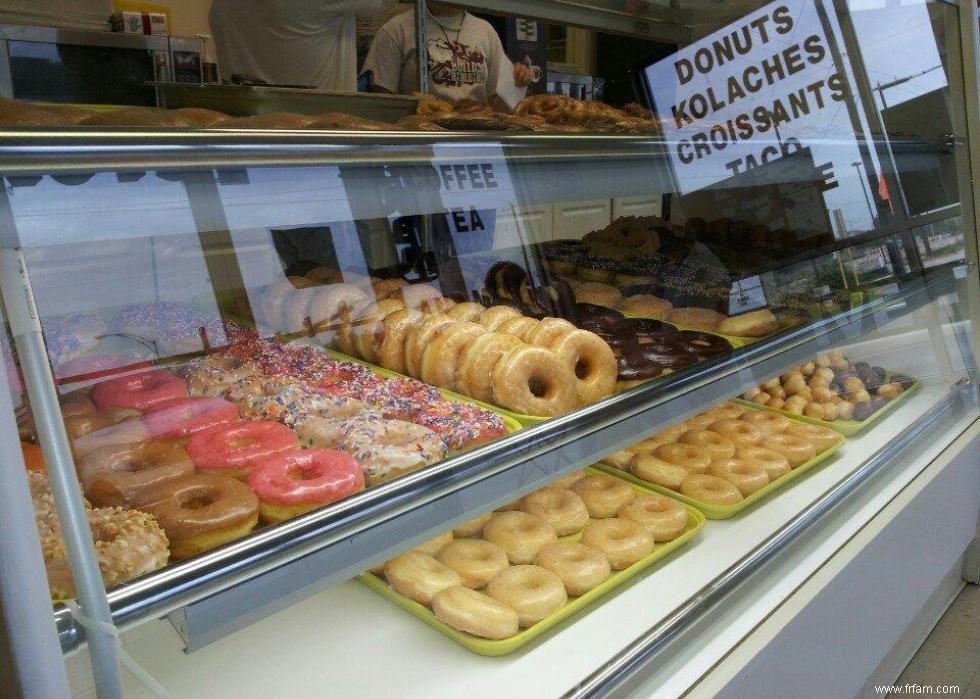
x=503, y=93
x=384, y=62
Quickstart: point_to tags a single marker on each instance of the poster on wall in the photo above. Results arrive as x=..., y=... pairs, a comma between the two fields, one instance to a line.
x=736, y=99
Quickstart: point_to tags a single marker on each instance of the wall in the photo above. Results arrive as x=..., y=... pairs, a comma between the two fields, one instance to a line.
x=187, y=17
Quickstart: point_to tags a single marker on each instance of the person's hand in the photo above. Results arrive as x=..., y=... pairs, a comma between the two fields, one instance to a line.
x=522, y=75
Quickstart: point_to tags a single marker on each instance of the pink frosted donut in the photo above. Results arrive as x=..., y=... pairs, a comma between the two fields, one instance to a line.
x=138, y=391
x=293, y=482
x=232, y=448
x=185, y=416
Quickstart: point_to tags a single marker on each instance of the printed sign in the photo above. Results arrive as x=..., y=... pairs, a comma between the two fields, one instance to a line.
x=729, y=102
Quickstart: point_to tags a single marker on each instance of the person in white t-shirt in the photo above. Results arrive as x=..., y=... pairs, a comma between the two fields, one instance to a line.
x=291, y=42
x=466, y=59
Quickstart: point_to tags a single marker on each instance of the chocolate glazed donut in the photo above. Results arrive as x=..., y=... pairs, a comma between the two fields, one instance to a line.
x=504, y=280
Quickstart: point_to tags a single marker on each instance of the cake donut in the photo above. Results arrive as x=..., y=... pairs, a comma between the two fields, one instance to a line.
x=475, y=561
x=709, y=489
x=561, y=508
x=519, y=534
x=231, y=449
x=114, y=476
x=290, y=483
x=664, y=517
x=603, y=495
x=531, y=591
x=138, y=391
x=622, y=541
x=533, y=381
x=579, y=567
x=201, y=512
x=419, y=576
x=747, y=476
x=475, y=613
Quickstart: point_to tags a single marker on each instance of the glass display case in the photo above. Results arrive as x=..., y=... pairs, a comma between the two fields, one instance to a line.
x=284, y=377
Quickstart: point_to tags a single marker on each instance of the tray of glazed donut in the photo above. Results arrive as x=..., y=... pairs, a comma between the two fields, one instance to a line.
x=726, y=459
x=192, y=457
x=834, y=392
x=501, y=580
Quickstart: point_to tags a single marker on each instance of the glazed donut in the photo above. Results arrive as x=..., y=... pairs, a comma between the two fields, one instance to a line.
x=476, y=363
x=81, y=425
x=417, y=295
x=709, y=489
x=699, y=422
x=475, y=561
x=112, y=434
x=623, y=541
x=519, y=534
x=185, y=416
x=599, y=294
x=621, y=459
x=435, y=544
x=211, y=377
x=387, y=449
x=493, y=317
x=738, y=432
x=691, y=458
x=358, y=325
x=647, y=306
x=796, y=449
x=441, y=354
x=776, y=464
x=747, y=476
x=290, y=483
x=518, y=327
x=201, y=512
x=394, y=329
x=696, y=318
x=419, y=576
x=822, y=438
x=137, y=391
x=751, y=324
x=473, y=527
x=559, y=507
x=232, y=449
x=416, y=339
x=710, y=443
x=127, y=544
x=475, y=613
x=114, y=476
x=549, y=329
x=767, y=422
x=664, y=517
x=325, y=308
x=466, y=312
x=726, y=411
x=603, y=495
x=439, y=306
x=650, y=468
x=569, y=480
x=579, y=567
x=533, y=381
x=531, y=591
x=591, y=361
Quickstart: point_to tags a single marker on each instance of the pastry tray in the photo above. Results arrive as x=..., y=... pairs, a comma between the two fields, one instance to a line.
x=483, y=646
x=848, y=428
x=725, y=511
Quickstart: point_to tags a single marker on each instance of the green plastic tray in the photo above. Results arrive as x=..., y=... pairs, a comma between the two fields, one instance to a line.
x=695, y=520
x=848, y=428
x=726, y=511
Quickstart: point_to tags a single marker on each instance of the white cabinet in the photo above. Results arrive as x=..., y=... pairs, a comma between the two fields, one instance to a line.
x=646, y=205
x=575, y=219
x=518, y=225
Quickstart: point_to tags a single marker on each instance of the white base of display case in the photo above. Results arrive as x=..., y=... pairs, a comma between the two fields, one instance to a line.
x=348, y=641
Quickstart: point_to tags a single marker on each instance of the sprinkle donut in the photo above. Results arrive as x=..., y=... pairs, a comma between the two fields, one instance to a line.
x=232, y=449
x=293, y=482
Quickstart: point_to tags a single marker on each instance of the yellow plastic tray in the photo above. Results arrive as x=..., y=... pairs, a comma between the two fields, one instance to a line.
x=848, y=428
x=725, y=511
x=695, y=520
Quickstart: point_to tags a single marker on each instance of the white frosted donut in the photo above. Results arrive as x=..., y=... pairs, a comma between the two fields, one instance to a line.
x=747, y=476
x=531, y=591
x=475, y=613
x=419, y=576
x=664, y=517
x=603, y=495
x=475, y=561
x=326, y=305
x=519, y=534
x=623, y=541
x=559, y=507
x=579, y=567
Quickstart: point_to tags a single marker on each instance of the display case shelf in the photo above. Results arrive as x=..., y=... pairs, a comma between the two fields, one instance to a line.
x=225, y=589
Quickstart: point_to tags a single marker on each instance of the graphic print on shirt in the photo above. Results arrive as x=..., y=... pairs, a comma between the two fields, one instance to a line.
x=454, y=64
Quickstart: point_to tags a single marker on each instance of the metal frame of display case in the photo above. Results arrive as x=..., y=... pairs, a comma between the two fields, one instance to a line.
x=205, y=595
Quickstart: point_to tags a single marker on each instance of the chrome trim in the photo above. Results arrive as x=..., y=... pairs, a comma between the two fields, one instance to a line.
x=624, y=664
x=399, y=512
x=82, y=37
